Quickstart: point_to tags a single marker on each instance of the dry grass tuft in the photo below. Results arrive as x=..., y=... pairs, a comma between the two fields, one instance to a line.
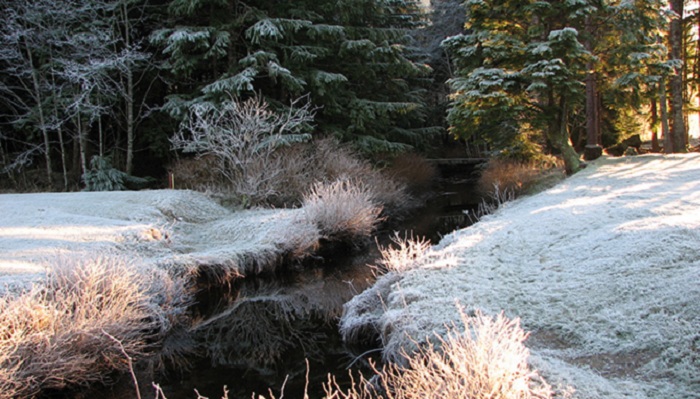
x=75, y=330
x=485, y=359
x=404, y=253
x=343, y=209
x=518, y=177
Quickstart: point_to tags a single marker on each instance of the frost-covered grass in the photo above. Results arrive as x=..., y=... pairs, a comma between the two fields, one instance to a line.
x=343, y=209
x=602, y=270
x=181, y=230
x=484, y=358
x=81, y=323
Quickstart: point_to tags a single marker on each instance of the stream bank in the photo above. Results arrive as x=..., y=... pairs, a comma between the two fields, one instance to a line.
x=258, y=332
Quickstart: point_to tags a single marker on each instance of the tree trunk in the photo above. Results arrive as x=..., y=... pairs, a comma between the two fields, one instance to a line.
x=558, y=134
x=676, y=39
x=665, y=130
x=593, y=149
x=129, y=97
x=42, y=119
x=654, y=125
x=82, y=143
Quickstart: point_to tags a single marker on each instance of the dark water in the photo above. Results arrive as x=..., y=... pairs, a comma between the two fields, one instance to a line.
x=257, y=333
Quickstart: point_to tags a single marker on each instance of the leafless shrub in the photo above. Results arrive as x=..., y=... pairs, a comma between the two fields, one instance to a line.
x=73, y=331
x=484, y=359
x=241, y=136
x=403, y=254
x=342, y=209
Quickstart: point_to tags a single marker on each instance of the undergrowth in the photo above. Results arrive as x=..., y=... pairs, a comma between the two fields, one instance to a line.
x=518, y=177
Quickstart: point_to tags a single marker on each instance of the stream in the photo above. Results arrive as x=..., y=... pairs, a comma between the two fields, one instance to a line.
x=258, y=333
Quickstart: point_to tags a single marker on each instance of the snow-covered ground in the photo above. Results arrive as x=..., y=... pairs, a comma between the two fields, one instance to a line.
x=603, y=270
x=167, y=228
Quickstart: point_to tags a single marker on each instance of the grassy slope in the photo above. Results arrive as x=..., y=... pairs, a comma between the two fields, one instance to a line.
x=602, y=270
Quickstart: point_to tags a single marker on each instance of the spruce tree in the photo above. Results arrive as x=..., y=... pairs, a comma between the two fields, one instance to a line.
x=352, y=57
x=522, y=68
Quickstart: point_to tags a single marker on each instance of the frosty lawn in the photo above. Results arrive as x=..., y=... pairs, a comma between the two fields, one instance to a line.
x=603, y=270
x=181, y=230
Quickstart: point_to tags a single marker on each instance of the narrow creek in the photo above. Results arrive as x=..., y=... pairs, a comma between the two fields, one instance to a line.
x=259, y=333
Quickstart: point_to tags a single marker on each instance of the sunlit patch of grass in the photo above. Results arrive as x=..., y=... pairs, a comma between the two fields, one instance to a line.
x=402, y=254
x=83, y=323
x=485, y=358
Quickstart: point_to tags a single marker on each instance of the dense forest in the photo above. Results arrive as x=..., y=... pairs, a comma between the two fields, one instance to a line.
x=109, y=85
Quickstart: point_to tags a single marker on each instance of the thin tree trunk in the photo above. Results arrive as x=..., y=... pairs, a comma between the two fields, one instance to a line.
x=593, y=150
x=100, y=134
x=82, y=143
x=654, y=125
x=59, y=129
x=678, y=126
x=42, y=119
x=129, y=96
x=665, y=130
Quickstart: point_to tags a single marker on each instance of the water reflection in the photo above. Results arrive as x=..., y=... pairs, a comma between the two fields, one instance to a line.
x=257, y=331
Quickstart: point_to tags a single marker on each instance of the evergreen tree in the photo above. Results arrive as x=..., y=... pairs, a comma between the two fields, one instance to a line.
x=352, y=56
x=523, y=67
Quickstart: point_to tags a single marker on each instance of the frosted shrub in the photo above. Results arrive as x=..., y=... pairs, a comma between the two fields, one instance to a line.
x=243, y=137
x=403, y=254
x=77, y=328
x=342, y=209
x=485, y=359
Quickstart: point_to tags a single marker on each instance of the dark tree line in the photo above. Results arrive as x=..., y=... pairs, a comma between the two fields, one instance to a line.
x=116, y=78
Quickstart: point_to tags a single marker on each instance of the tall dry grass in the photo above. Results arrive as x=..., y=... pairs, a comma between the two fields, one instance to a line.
x=81, y=325
x=414, y=171
x=517, y=177
x=483, y=359
x=402, y=254
x=342, y=210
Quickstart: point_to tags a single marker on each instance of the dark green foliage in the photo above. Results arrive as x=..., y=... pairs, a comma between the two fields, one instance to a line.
x=352, y=57
x=521, y=67
x=102, y=176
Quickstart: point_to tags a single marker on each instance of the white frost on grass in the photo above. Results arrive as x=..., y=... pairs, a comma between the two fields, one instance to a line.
x=603, y=270
x=172, y=228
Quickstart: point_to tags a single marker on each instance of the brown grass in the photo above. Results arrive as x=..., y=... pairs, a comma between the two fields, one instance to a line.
x=484, y=359
x=517, y=177
x=284, y=177
x=413, y=170
x=75, y=329
x=343, y=209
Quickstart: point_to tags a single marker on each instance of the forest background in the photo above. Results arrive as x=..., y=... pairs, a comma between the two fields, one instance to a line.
x=90, y=86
